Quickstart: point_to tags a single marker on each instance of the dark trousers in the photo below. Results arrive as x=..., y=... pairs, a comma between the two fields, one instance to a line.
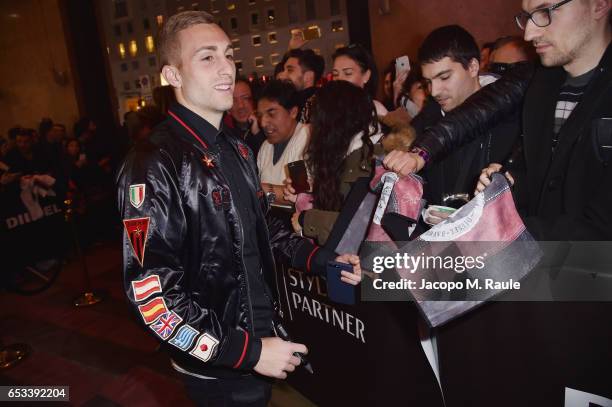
x=246, y=391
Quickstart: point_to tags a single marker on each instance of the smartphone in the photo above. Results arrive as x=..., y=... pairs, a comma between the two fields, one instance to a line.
x=337, y=290
x=82, y=157
x=402, y=64
x=299, y=176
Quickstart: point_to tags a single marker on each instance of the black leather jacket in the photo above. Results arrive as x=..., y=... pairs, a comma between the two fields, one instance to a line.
x=479, y=113
x=184, y=272
x=569, y=191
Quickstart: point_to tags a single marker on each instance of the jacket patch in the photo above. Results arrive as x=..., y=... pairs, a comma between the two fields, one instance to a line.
x=227, y=199
x=208, y=161
x=146, y=287
x=184, y=337
x=204, y=348
x=217, y=199
x=137, y=230
x=244, y=150
x=165, y=325
x=153, y=310
x=137, y=195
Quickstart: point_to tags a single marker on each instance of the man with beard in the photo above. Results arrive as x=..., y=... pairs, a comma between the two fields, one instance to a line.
x=567, y=127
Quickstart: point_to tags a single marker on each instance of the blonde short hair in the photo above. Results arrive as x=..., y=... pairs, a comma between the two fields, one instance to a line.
x=169, y=45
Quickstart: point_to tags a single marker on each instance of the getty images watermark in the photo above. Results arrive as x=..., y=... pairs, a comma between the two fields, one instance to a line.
x=458, y=264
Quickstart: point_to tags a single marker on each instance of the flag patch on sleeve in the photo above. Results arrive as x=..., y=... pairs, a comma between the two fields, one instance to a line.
x=184, y=337
x=137, y=195
x=153, y=310
x=165, y=325
x=205, y=347
x=146, y=287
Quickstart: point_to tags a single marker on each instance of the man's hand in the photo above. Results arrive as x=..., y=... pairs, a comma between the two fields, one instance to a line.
x=353, y=278
x=276, y=359
x=289, y=194
x=403, y=163
x=485, y=177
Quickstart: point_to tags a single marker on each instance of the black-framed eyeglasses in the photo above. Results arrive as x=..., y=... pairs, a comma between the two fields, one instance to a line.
x=541, y=17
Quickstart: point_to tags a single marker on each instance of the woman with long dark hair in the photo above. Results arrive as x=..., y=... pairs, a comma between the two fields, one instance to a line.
x=355, y=64
x=343, y=139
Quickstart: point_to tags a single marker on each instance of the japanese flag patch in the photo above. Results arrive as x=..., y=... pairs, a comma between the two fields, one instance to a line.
x=205, y=347
x=137, y=195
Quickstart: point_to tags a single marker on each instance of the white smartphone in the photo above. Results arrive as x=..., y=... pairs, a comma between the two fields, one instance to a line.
x=402, y=64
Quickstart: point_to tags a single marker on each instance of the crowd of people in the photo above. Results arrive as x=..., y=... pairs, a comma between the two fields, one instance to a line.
x=225, y=145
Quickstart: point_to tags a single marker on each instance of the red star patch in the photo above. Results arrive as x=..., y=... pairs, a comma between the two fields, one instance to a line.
x=208, y=161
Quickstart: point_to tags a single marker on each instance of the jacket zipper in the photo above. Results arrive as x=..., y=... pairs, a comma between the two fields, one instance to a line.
x=274, y=303
x=246, y=273
x=241, y=237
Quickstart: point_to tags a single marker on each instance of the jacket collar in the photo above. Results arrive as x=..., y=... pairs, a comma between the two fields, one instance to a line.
x=202, y=128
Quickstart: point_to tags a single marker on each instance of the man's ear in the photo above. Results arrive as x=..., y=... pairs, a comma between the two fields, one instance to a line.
x=601, y=8
x=474, y=67
x=172, y=76
x=294, y=112
x=309, y=79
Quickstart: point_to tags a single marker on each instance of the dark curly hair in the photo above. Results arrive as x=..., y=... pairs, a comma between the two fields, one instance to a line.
x=340, y=110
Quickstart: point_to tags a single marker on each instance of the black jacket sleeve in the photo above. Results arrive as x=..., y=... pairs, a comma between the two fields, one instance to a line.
x=479, y=112
x=155, y=279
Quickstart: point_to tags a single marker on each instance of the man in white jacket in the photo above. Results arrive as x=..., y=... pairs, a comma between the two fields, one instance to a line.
x=286, y=138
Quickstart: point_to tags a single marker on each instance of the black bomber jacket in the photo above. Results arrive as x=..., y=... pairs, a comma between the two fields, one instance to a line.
x=183, y=271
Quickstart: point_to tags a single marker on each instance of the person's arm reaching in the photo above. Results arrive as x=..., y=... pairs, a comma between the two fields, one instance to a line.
x=481, y=111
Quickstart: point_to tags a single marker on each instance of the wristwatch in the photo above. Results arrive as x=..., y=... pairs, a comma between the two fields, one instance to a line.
x=271, y=197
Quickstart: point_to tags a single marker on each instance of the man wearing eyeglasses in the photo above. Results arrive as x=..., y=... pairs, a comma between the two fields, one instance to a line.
x=567, y=103
x=529, y=353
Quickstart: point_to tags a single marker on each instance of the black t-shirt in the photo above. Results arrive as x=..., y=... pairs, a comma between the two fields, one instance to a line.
x=245, y=201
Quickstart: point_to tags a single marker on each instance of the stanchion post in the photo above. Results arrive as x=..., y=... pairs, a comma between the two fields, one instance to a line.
x=89, y=297
x=12, y=354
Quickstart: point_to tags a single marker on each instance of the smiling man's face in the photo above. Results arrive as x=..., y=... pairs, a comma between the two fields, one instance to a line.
x=206, y=69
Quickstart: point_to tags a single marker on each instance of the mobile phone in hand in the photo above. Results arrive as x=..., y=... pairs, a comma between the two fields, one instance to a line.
x=299, y=176
x=402, y=64
x=338, y=290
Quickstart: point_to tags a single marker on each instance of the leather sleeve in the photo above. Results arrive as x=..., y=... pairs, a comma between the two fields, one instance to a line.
x=481, y=111
x=299, y=252
x=155, y=280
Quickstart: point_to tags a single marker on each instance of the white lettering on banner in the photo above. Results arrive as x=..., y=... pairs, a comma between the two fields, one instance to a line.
x=326, y=313
x=317, y=308
x=24, y=218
